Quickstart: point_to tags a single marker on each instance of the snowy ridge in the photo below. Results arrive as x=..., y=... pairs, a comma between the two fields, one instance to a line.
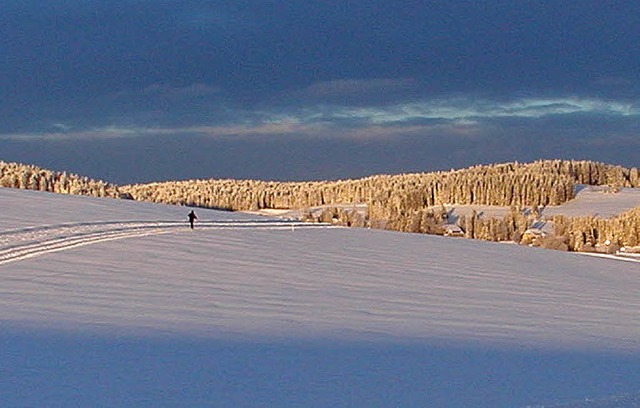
x=618, y=257
x=597, y=201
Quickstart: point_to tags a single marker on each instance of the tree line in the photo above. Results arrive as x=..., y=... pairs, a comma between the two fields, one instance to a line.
x=541, y=183
x=404, y=202
x=588, y=232
x=16, y=175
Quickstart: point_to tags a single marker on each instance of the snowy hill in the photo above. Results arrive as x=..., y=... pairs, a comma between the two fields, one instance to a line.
x=598, y=201
x=118, y=303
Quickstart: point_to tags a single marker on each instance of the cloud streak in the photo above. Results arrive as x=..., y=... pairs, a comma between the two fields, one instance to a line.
x=115, y=132
x=476, y=110
x=264, y=131
x=455, y=116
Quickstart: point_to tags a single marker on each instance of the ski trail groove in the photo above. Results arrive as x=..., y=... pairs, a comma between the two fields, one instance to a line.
x=29, y=242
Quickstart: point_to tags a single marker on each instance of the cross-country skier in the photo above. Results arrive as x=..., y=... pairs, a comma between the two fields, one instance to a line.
x=192, y=218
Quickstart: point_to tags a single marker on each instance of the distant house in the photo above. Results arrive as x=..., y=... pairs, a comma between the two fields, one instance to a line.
x=532, y=236
x=607, y=247
x=452, y=230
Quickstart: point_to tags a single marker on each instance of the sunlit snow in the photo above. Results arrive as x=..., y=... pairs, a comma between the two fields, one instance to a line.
x=119, y=303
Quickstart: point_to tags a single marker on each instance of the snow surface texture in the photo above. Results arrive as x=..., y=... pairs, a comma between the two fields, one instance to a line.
x=113, y=302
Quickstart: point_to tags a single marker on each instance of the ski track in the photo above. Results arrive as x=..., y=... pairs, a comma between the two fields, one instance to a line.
x=616, y=257
x=29, y=242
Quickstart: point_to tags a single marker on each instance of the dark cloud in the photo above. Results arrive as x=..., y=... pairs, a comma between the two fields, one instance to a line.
x=353, y=87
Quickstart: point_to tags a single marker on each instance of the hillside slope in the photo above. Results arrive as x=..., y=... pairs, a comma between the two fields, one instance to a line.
x=255, y=276
x=336, y=299
x=597, y=201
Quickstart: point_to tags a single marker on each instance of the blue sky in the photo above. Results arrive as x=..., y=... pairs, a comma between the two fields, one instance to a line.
x=141, y=90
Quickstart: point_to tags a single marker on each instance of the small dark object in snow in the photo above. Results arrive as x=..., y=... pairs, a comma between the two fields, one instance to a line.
x=192, y=217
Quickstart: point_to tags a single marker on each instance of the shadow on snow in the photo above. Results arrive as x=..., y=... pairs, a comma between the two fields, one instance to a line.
x=41, y=368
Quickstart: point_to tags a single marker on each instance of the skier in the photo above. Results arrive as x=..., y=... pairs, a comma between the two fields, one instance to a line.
x=192, y=218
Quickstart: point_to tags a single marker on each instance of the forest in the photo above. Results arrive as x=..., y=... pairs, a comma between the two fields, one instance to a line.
x=404, y=202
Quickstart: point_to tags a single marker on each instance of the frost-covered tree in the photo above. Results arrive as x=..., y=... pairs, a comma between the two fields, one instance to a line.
x=17, y=175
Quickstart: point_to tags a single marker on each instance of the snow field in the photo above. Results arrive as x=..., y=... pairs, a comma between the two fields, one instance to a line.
x=118, y=303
